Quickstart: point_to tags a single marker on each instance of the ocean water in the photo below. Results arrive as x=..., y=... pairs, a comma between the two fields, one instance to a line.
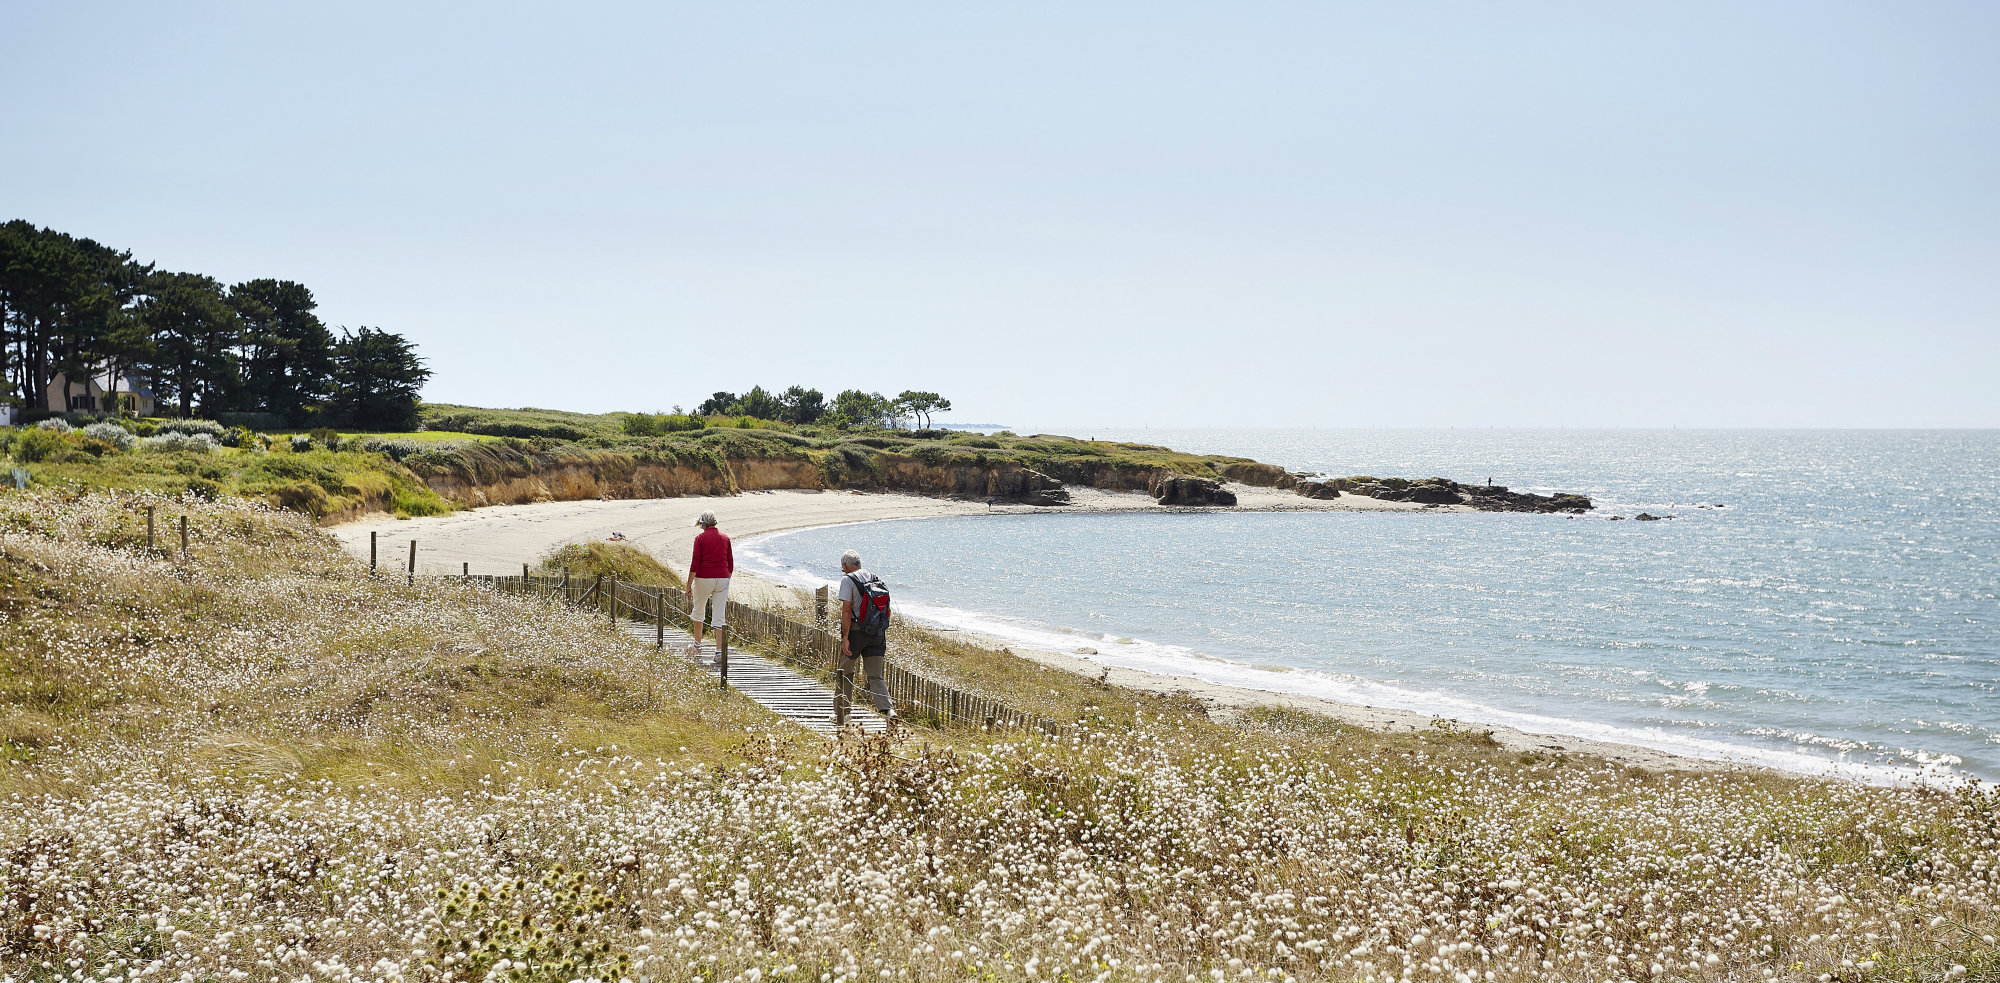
x=1834, y=610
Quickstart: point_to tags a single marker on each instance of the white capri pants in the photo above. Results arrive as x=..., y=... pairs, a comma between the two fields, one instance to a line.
x=701, y=590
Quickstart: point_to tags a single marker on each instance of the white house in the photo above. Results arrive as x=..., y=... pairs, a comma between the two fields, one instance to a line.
x=104, y=393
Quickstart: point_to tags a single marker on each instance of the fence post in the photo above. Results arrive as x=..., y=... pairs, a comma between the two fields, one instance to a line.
x=371, y=552
x=660, y=619
x=819, y=605
x=413, y=562
x=611, y=597
x=149, y=528
x=184, y=535
x=843, y=689
x=465, y=570
x=722, y=653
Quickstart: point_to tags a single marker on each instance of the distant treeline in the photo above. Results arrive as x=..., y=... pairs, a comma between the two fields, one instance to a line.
x=852, y=408
x=72, y=309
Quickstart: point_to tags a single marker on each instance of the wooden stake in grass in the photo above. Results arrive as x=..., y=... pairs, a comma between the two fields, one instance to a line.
x=149, y=528
x=843, y=689
x=722, y=653
x=371, y=552
x=413, y=562
x=184, y=535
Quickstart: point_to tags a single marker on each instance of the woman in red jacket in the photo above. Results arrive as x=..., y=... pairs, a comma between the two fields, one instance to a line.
x=708, y=577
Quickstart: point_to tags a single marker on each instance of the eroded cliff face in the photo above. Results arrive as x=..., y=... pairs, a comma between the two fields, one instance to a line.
x=514, y=478
x=614, y=476
x=767, y=474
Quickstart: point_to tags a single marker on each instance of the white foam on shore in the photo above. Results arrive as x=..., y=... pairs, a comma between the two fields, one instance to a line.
x=1174, y=660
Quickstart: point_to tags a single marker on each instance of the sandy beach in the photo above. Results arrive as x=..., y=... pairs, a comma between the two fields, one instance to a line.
x=498, y=539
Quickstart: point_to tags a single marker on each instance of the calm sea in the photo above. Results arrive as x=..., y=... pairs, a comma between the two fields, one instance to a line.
x=1836, y=612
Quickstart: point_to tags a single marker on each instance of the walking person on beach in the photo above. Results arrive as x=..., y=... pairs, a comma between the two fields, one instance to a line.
x=708, y=578
x=864, y=628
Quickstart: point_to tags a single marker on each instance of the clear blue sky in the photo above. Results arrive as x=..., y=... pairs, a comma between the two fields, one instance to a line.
x=1336, y=215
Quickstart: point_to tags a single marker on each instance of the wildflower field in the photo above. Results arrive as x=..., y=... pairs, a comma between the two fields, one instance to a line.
x=256, y=762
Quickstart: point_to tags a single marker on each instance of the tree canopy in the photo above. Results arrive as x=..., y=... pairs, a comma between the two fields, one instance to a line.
x=850, y=408
x=74, y=309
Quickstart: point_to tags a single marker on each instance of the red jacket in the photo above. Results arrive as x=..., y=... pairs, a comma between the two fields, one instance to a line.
x=712, y=555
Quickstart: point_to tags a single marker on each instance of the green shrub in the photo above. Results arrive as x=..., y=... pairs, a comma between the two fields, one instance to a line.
x=655, y=424
x=205, y=489
x=300, y=496
x=79, y=444
x=624, y=561
x=418, y=503
x=38, y=444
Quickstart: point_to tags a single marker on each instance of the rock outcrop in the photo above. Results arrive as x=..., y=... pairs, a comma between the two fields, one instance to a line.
x=1444, y=491
x=1188, y=490
x=1325, y=491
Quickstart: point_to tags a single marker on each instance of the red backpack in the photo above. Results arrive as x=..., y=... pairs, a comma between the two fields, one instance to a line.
x=871, y=603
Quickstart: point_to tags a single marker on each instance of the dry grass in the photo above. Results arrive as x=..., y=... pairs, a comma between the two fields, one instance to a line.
x=260, y=764
x=624, y=561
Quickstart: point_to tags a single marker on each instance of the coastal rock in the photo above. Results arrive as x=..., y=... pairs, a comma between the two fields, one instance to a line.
x=1436, y=491
x=1188, y=490
x=1027, y=487
x=1322, y=490
x=1444, y=491
x=1650, y=517
x=1046, y=496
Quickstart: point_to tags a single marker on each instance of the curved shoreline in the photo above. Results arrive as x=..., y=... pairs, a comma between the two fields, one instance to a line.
x=498, y=539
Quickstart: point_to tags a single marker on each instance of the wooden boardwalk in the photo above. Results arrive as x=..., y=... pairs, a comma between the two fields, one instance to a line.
x=780, y=688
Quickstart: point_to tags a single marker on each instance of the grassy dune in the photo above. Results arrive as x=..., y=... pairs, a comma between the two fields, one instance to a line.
x=257, y=763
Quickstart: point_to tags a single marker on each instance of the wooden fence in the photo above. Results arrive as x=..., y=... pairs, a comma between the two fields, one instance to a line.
x=813, y=649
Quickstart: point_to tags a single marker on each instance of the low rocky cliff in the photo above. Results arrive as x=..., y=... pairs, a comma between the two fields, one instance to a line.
x=1442, y=491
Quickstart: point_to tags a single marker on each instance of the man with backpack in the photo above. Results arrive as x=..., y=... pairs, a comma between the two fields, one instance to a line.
x=864, y=628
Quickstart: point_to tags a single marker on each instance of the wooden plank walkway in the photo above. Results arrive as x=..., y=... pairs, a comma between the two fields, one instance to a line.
x=783, y=690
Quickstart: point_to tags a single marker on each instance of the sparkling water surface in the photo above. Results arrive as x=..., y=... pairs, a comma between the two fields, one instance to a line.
x=1836, y=612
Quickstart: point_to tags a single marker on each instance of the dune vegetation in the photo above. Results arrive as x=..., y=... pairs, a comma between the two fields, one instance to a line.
x=254, y=761
x=322, y=474
x=619, y=561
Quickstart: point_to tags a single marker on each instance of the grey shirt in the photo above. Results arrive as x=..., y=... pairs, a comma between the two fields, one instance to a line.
x=847, y=590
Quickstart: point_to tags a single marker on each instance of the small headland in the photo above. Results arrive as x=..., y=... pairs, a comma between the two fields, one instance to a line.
x=467, y=457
